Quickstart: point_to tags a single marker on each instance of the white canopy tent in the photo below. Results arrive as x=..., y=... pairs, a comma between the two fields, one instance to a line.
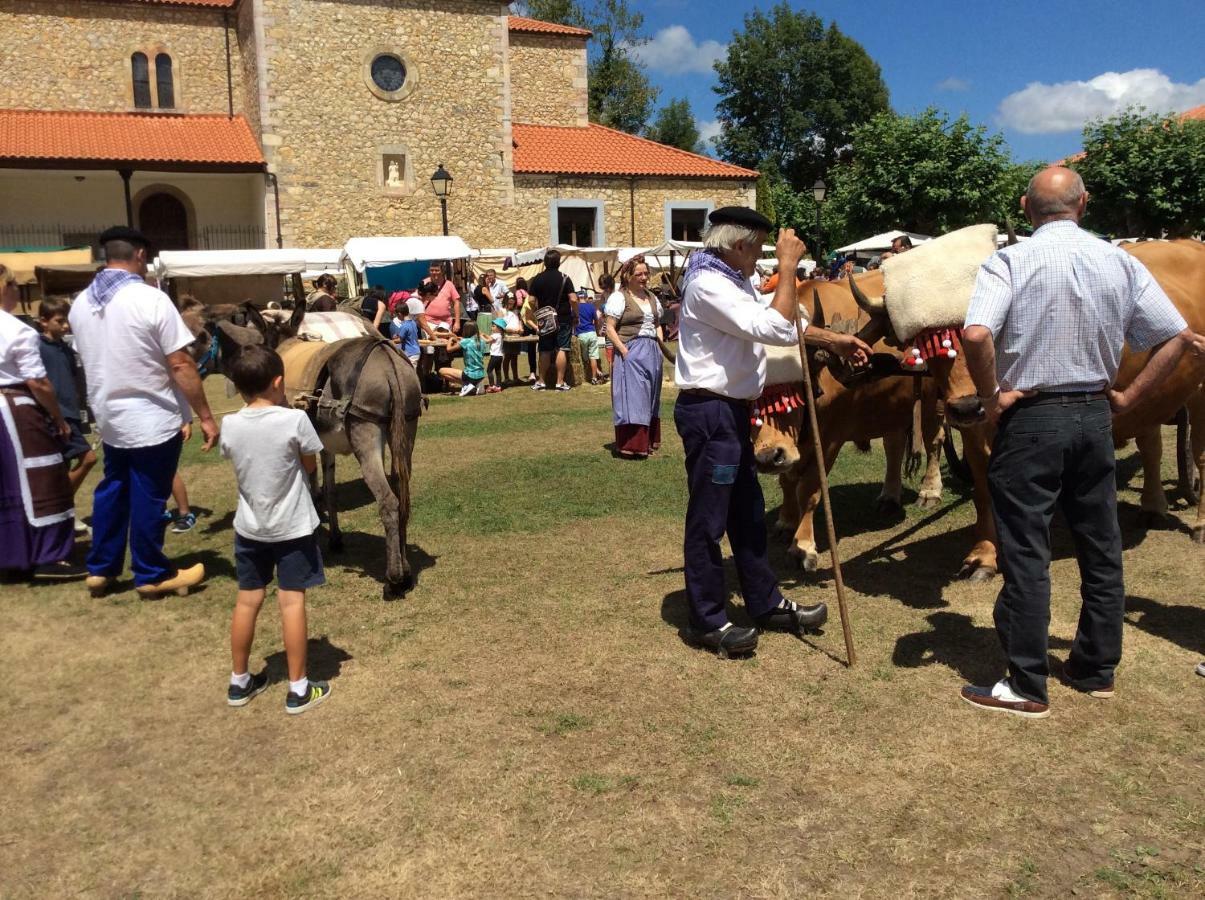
x=220, y=263
x=881, y=242
x=365, y=252
x=322, y=261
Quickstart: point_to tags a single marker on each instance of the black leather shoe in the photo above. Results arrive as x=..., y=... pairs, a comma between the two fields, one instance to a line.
x=724, y=641
x=794, y=618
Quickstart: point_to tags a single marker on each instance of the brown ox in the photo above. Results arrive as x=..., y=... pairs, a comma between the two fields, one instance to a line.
x=1179, y=267
x=881, y=408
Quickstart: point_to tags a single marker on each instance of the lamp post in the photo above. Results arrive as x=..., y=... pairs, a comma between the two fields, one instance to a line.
x=819, y=189
x=441, y=183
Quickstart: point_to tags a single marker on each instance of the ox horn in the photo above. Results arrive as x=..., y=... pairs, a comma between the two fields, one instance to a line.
x=864, y=302
x=818, y=312
x=1012, y=235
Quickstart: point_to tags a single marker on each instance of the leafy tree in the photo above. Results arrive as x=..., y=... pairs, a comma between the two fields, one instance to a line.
x=621, y=95
x=675, y=126
x=792, y=91
x=924, y=173
x=563, y=12
x=1145, y=174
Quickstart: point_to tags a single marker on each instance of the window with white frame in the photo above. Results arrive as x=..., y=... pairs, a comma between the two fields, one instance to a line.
x=686, y=220
x=577, y=222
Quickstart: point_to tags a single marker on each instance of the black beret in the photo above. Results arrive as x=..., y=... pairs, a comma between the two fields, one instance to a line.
x=740, y=215
x=124, y=233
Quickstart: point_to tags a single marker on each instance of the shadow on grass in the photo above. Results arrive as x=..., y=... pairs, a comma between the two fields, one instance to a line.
x=218, y=525
x=323, y=662
x=218, y=563
x=1181, y=625
x=366, y=552
x=955, y=641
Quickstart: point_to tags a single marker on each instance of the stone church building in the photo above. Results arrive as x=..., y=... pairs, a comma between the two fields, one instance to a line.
x=244, y=123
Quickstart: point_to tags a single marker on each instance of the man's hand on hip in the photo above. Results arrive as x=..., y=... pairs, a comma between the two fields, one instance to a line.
x=1000, y=403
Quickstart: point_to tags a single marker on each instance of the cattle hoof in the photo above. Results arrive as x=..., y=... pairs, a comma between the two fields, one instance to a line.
x=889, y=508
x=809, y=560
x=1198, y=534
x=395, y=590
x=974, y=571
x=1153, y=521
x=928, y=501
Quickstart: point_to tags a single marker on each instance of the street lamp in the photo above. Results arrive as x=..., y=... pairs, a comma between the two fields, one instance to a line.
x=441, y=183
x=819, y=190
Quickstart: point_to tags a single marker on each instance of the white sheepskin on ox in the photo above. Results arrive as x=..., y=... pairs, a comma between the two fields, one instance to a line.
x=930, y=286
x=782, y=365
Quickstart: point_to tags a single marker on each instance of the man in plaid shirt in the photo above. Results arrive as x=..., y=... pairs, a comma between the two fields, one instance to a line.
x=1043, y=339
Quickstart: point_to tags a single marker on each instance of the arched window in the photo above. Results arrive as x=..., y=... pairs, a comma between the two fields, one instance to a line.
x=164, y=87
x=140, y=69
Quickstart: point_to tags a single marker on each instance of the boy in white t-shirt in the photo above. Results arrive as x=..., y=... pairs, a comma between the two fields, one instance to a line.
x=273, y=450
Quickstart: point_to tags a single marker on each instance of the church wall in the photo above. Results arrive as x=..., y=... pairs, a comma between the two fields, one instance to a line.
x=548, y=74
x=75, y=54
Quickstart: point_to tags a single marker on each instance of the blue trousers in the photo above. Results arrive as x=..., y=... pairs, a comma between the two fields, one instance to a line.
x=725, y=496
x=129, y=501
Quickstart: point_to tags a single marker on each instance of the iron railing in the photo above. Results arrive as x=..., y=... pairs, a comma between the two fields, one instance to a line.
x=209, y=237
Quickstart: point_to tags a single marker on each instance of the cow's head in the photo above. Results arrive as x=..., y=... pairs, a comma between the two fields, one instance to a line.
x=268, y=329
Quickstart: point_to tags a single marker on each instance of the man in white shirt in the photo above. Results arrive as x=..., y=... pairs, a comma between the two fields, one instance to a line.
x=721, y=366
x=141, y=381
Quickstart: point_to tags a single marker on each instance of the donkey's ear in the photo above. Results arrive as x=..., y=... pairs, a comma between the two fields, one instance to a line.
x=295, y=319
x=254, y=319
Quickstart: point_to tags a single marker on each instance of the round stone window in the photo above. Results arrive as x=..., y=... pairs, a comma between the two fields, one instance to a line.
x=388, y=73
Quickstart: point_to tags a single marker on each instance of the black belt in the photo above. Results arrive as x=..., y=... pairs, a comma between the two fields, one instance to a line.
x=710, y=395
x=1042, y=398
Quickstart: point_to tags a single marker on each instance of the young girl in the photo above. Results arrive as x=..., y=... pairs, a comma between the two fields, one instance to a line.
x=510, y=352
x=474, y=350
x=497, y=330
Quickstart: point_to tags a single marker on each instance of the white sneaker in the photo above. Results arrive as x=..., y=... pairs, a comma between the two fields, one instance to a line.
x=538, y=386
x=1201, y=669
x=82, y=530
x=468, y=389
x=563, y=387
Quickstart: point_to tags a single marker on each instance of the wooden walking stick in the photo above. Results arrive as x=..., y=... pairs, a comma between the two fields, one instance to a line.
x=818, y=450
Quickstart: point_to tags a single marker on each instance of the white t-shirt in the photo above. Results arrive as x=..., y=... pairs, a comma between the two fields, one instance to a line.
x=265, y=444
x=124, y=347
x=616, y=304
x=495, y=344
x=20, y=357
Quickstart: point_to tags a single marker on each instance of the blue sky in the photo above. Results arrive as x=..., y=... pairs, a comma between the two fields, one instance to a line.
x=1033, y=70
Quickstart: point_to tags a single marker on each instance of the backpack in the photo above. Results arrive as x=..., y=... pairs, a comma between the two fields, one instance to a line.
x=546, y=318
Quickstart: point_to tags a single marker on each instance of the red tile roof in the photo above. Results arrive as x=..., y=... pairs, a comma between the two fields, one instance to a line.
x=216, y=4
x=595, y=150
x=535, y=26
x=156, y=141
x=1197, y=112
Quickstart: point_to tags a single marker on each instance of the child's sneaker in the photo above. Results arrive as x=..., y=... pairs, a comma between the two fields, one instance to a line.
x=185, y=523
x=468, y=390
x=296, y=704
x=241, y=696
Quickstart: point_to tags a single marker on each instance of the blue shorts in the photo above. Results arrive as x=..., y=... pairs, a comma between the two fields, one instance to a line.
x=77, y=445
x=297, y=563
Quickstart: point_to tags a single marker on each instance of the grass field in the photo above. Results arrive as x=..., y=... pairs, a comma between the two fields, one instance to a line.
x=527, y=722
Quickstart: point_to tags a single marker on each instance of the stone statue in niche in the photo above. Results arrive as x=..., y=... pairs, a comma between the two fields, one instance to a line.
x=394, y=177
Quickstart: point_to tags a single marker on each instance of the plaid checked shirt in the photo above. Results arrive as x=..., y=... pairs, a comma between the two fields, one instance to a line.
x=1060, y=307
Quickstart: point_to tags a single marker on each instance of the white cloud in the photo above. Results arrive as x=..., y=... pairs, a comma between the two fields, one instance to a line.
x=674, y=51
x=1048, y=108
x=954, y=85
x=709, y=131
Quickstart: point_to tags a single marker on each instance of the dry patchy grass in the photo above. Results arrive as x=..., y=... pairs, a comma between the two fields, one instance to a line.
x=527, y=721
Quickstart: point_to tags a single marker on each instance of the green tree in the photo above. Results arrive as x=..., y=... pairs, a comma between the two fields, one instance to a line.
x=621, y=95
x=563, y=12
x=675, y=126
x=923, y=173
x=792, y=91
x=1145, y=174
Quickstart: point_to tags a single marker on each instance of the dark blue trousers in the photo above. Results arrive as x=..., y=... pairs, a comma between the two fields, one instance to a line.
x=1057, y=451
x=725, y=496
x=129, y=501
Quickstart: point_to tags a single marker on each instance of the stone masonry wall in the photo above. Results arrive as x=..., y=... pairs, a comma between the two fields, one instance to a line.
x=548, y=78
x=529, y=224
x=75, y=54
x=325, y=128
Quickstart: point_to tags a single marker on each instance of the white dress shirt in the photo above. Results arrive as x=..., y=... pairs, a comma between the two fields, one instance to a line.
x=124, y=347
x=721, y=331
x=20, y=357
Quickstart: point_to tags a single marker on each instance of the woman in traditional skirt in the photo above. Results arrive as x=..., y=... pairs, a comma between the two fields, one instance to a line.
x=37, y=518
x=634, y=328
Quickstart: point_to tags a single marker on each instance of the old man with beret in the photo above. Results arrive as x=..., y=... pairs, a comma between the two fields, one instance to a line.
x=721, y=367
x=141, y=383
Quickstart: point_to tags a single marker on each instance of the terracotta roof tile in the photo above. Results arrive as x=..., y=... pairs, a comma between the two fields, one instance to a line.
x=1197, y=112
x=156, y=140
x=595, y=150
x=535, y=26
x=216, y=4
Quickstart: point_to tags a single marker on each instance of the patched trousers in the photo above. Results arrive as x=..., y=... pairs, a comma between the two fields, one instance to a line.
x=1057, y=450
x=725, y=497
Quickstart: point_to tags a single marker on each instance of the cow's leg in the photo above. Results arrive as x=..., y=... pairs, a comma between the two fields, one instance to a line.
x=980, y=563
x=368, y=444
x=1154, y=500
x=932, y=433
x=788, y=513
x=803, y=547
x=889, y=502
x=1196, y=420
x=334, y=541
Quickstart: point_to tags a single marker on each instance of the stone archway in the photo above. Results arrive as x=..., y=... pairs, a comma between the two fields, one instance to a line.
x=163, y=218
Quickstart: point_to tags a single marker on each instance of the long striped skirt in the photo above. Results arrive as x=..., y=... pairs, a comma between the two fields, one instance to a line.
x=37, y=518
x=636, y=398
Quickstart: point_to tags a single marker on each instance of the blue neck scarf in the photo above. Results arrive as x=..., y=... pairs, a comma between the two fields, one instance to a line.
x=709, y=261
x=106, y=284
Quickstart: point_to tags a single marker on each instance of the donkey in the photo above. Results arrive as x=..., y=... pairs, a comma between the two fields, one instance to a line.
x=371, y=399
